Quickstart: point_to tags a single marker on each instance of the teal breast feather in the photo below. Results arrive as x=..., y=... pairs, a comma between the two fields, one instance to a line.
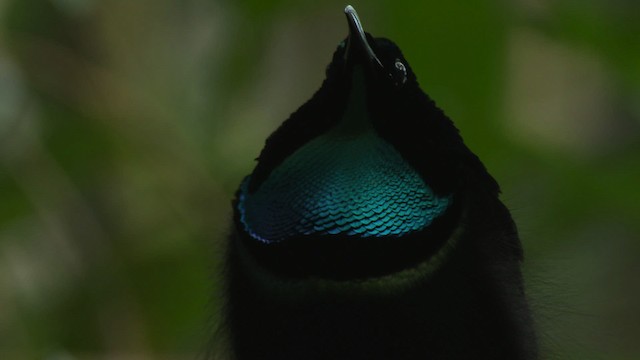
x=337, y=184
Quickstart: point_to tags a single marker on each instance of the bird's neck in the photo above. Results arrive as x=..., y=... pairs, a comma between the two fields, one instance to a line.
x=356, y=119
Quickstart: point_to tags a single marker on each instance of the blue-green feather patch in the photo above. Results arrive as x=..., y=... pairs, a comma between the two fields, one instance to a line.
x=355, y=185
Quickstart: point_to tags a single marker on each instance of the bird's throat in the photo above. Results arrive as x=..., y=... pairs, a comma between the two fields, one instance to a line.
x=356, y=119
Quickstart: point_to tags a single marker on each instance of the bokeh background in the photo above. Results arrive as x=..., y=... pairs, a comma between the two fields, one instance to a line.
x=125, y=127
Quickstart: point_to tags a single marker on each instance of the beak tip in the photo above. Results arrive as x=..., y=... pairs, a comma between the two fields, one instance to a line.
x=355, y=27
x=349, y=10
x=357, y=36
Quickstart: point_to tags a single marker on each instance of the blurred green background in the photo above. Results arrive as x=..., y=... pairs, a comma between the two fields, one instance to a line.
x=125, y=127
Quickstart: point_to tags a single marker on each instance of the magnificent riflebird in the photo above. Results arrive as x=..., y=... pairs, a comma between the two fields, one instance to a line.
x=368, y=229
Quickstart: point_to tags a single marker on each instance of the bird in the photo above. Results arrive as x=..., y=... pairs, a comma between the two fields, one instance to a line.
x=369, y=230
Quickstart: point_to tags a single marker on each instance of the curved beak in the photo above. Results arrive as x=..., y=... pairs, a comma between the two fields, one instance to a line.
x=358, y=49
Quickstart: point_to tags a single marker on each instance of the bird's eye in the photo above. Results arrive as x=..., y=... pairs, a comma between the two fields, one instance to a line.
x=401, y=72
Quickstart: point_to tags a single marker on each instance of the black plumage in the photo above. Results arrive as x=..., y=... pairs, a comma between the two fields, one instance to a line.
x=451, y=289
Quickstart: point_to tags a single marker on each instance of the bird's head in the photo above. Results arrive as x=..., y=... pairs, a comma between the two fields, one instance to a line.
x=373, y=64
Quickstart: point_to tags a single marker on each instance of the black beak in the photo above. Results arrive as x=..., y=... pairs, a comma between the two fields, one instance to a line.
x=358, y=48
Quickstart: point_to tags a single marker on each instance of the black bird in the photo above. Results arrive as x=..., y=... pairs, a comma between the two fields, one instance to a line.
x=368, y=230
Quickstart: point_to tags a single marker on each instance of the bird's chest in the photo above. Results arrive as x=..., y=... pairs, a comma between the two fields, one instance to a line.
x=356, y=185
